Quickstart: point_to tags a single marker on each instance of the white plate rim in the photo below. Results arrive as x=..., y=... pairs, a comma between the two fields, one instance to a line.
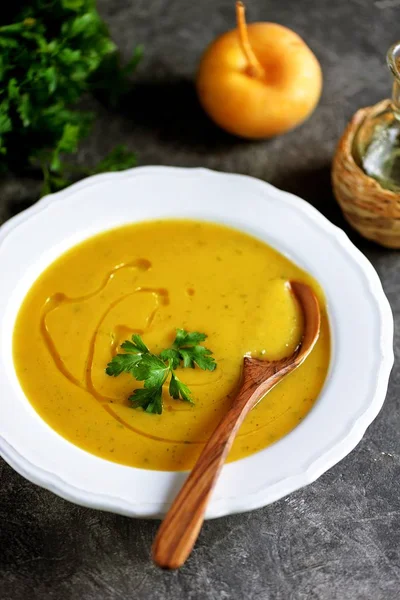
x=281, y=487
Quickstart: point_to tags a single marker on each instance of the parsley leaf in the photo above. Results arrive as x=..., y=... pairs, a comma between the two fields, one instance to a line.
x=172, y=355
x=186, y=338
x=150, y=399
x=186, y=348
x=136, y=345
x=122, y=363
x=177, y=389
x=118, y=159
x=154, y=370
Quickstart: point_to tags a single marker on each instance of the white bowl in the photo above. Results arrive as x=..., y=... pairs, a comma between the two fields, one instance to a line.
x=360, y=318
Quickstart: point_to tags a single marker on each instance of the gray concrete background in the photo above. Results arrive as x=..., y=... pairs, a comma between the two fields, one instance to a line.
x=337, y=539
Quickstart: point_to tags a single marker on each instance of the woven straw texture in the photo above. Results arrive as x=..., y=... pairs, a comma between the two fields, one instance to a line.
x=372, y=210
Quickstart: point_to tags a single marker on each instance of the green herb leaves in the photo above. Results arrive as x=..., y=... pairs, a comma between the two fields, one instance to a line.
x=124, y=363
x=51, y=54
x=154, y=370
x=150, y=399
x=186, y=348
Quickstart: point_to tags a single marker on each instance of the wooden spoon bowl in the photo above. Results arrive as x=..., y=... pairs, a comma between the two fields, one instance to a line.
x=181, y=526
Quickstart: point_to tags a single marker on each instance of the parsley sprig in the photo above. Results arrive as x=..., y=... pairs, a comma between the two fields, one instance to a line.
x=154, y=369
x=51, y=55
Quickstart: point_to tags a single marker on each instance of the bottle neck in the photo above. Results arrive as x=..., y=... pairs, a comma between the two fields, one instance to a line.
x=396, y=98
x=393, y=60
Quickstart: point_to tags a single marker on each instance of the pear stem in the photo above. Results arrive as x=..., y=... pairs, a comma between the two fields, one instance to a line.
x=254, y=67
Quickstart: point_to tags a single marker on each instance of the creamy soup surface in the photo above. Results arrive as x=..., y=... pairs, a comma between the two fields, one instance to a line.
x=151, y=278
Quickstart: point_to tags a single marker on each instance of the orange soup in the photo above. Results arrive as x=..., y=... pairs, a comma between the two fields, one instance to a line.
x=152, y=278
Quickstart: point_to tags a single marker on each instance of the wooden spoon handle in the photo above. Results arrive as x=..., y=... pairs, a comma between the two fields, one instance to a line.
x=180, y=528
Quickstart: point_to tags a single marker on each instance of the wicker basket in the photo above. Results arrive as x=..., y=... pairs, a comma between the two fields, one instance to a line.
x=369, y=208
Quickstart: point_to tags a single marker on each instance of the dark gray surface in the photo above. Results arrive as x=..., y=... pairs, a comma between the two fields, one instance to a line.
x=337, y=539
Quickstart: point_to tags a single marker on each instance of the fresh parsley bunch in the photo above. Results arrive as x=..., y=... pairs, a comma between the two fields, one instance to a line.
x=52, y=52
x=154, y=370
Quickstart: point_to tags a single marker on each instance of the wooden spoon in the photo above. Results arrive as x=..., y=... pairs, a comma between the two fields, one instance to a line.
x=181, y=526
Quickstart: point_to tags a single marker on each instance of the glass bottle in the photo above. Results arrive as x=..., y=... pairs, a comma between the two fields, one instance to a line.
x=376, y=145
